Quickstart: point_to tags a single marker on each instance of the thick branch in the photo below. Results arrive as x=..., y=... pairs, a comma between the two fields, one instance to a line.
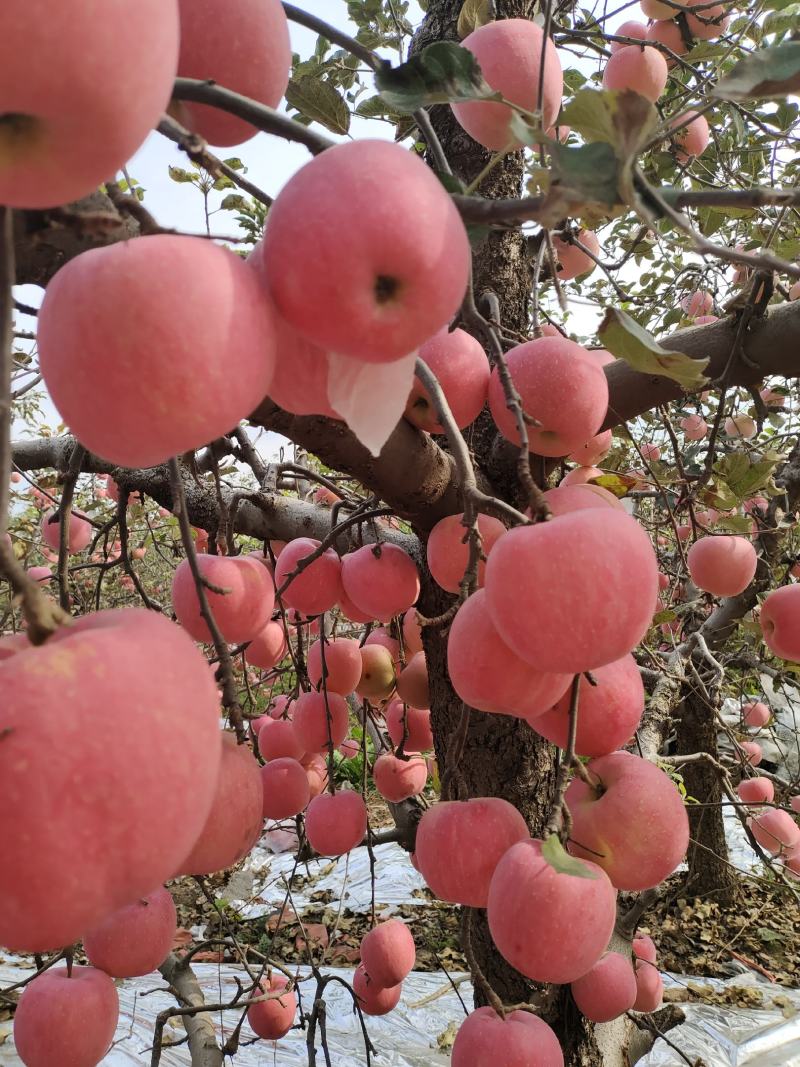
x=772, y=344
x=273, y=516
x=199, y=1028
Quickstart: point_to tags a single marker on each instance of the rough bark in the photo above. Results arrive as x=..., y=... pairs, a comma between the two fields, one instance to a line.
x=710, y=873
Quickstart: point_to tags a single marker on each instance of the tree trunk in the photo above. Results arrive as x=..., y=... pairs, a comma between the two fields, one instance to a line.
x=710, y=874
x=494, y=755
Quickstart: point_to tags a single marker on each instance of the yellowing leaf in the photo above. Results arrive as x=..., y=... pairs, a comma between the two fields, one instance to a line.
x=627, y=340
x=473, y=15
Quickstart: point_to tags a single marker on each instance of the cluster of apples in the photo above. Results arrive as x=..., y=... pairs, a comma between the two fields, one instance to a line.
x=773, y=827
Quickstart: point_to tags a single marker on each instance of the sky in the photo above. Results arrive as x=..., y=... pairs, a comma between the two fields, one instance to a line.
x=270, y=162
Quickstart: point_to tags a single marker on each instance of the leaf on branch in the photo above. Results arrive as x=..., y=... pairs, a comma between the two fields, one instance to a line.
x=442, y=73
x=618, y=484
x=178, y=174
x=375, y=107
x=625, y=120
x=627, y=340
x=555, y=856
x=234, y=202
x=595, y=180
x=743, y=477
x=770, y=73
x=370, y=397
x=473, y=15
x=318, y=100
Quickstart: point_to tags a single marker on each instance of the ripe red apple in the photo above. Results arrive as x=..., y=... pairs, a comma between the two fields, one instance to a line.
x=268, y=647
x=460, y=842
x=412, y=632
x=694, y=427
x=383, y=255
x=241, y=44
x=318, y=586
x=59, y=136
x=485, y=672
x=381, y=580
x=413, y=723
x=756, y=790
x=320, y=720
x=649, y=987
x=448, y=552
x=691, y=140
x=350, y=611
x=377, y=679
x=316, y=770
x=593, y=450
x=752, y=752
x=381, y=636
x=234, y=822
x=412, y=682
x=608, y=712
x=286, y=788
x=740, y=426
x=336, y=823
x=272, y=1019
x=560, y=387
x=342, y=665
x=136, y=939
x=510, y=56
x=153, y=347
x=241, y=613
x=628, y=29
x=633, y=823
x=519, y=1040
x=644, y=948
x=277, y=739
x=780, y=622
x=573, y=261
x=66, y=805
x=566, y=498
x=755, y=713
x=68, y=1021
x=580, y=476
x=40, y=574
x=373, y=998
x=388, y=952
x=722, y=565
x=709, y=22
x=397, y=780
x=776, y=831
x=551, y=927
x=643, y=70
x=606, y=991
x=460, y=364
x=78, y=537
x=591, y=574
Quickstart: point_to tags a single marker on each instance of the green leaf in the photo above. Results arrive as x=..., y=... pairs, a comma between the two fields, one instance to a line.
x=743, y=477
x=234, y=202
x=624, y=119
x=442, y=73
x=627, y=340
x=178, y=174
x=590, y=175
x=770, y=73
x=319, y=101
x=555, y=856
x=667, y=615
x=375, y=107
x=473, y=15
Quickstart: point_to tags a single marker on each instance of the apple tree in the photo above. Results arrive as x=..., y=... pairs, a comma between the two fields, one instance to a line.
x=526, y=323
